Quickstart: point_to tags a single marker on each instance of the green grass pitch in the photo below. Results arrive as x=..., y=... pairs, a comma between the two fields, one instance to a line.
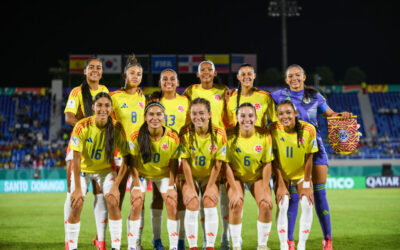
x=361, y=219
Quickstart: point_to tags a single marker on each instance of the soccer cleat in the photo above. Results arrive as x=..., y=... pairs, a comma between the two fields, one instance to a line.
x=194, y=248
x=263, y=248
x=66, y=246
x=327, y=244
x=290, y=244
x=181, y=245
x=236, y=248
x=224, y=242
x=157, y=244
x=100, y=245
x=210, y=248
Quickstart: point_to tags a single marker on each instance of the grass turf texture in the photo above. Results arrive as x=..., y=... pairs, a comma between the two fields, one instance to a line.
x=361, y=219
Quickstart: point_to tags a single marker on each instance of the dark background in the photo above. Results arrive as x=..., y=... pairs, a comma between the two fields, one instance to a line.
x=338, y=34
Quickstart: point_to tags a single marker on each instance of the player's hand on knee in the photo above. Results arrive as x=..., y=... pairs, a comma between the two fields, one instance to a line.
x=188, y=196
x=236, y=200
x=308, y=193
x=228, y=94
x=172, y=195
x=77, y=198
x=280, y=194
x=114, y=194
x=211, y=193
x=136, y=194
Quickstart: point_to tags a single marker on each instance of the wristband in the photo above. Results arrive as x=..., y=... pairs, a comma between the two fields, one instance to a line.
x=170, y=187
x=137, y=188
x=306, y=184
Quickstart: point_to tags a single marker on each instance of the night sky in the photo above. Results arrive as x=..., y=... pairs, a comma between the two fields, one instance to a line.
x=339, y=34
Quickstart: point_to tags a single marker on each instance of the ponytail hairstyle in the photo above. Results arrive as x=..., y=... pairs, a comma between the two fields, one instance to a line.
x=297, y=126
x=245, y=104
x=86, y=95
x=309, y=92
x=144, y=138
x=206, y=103
x=131, y=62
x=109, y=141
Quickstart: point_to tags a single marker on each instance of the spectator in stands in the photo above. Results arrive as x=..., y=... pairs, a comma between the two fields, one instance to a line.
x=36, y=174
x=374, y=133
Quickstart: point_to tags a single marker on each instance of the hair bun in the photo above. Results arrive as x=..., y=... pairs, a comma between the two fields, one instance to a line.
x=131, y=59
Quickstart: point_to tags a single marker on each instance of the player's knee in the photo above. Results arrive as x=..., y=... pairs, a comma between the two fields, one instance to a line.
x=136, y=207
x=208, y=203
x=284, y=204
x=111, y=202
x=306, y=206
x=237, y=211
x=193, y=205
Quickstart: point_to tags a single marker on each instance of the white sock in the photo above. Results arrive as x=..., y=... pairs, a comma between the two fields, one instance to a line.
x=100, y=215
x=305, y=222
x=235, y=231
x=191, y=227
x=202, y=219
x=115, y=228
x=282, y=222
x=133, y=233
x=67, y=209
x=263, y=229
x=224, y=212
x=156, y=220
x=181, y=216
x=139, y=239
x=211, y=225
x=173, y=228
x=73, y=234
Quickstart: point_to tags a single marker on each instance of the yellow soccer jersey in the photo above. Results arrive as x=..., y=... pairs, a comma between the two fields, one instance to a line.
x=247, y=156
x=128, y=109
x=88, y=139
x=176, y=111
x=201, y=163
x=216, y=97
x=262, y=102
x=163, y=151
x=75, y=101
x=292, y=157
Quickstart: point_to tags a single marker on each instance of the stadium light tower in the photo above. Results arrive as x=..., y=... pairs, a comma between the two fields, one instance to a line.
x=283, y=9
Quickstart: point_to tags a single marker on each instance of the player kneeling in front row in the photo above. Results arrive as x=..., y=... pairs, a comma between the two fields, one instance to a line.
x=294, y=143
x=250, y=156
x=94, y=140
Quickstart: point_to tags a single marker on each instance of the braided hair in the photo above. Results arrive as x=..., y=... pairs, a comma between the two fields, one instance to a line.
x=297, y=126
x=86, y=95
x=207, y=104
x=109, y=140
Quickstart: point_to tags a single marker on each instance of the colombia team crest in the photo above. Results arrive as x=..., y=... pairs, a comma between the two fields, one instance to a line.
x=343, y=135
x=141, y=105
x=181, y=108
x=164, y=146
x=213, y=148
x=217, y=97
x=258, y=148
x=257, y=106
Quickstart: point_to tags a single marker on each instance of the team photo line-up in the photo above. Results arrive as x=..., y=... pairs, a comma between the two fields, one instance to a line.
x=198, y=149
